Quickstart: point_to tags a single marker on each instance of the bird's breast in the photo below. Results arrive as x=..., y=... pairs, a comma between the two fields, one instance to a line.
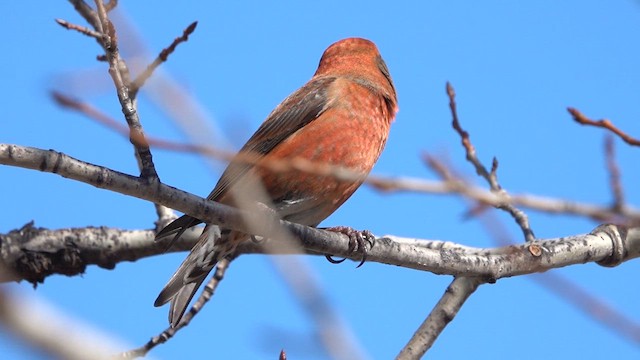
x=351, y=133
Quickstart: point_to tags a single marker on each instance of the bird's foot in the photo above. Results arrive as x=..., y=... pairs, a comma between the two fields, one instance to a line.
x=357, y=242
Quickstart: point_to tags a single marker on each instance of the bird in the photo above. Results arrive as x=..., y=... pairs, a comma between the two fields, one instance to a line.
x=340, y=117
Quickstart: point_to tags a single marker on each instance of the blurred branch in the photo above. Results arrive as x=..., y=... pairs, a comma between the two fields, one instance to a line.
x=462, y=287
x=331, y=332
x=111, y=5
x=593, y=307
x=86, y=12
x=614, y=174
x=48, y=332
x=579, y=297
x=580, y=118
x=126, y=90
x=607, y=245
x=449, y=185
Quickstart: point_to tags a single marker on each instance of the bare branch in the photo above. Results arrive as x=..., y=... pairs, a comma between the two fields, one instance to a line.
x=450, y=185
x=443, y=313
x=580, y=118
x=577, y=296
x=120, y=76
x=33, y=253
x=81, y=29
x=162, y=57
x=111, y=5
x=86, y=12
x=491, y=177
x=168, y=333
x=49, y=332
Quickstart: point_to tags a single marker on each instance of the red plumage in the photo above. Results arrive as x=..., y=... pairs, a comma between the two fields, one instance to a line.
x=340, y=117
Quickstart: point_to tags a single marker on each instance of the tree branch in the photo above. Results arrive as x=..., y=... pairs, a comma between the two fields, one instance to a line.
x=449, y=185
x=580, y=118
x=434, y=256
x=442, y=314
x=490, y=176
x=140, y=80
x=49, y=332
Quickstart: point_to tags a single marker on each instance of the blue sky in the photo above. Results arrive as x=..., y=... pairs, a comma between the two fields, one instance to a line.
x=516, y=66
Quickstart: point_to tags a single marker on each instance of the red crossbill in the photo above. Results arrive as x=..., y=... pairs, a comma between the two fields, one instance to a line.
x=340, y=117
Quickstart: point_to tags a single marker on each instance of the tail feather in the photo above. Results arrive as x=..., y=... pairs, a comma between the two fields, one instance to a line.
x=177, y=227
x=181, y=300
x=187, y=279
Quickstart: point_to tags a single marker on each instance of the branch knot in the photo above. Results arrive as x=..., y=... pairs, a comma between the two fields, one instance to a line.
x=618, y=236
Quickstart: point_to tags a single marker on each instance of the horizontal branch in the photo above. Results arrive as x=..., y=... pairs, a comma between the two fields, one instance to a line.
x=34, y=253
x=610, y=244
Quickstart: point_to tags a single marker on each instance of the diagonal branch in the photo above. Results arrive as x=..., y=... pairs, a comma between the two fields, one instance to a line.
x=445, y=310
x=140, y=80
x=86, y=12
x=449, y=184
x=49, y=332
x=580, y=118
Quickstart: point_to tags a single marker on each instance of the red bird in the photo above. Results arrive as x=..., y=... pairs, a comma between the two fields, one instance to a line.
x=340, y=117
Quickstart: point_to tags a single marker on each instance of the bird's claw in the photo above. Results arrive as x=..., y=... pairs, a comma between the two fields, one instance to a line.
x=357, y=240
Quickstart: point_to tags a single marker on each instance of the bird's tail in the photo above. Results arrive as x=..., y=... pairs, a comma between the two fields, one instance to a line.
x=194, y=269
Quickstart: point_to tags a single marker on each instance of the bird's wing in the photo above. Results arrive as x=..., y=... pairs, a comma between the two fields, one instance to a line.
x=296, y=111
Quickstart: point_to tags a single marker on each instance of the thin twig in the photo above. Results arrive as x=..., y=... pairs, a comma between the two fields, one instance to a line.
x=86, y=12
x=81, y=29
x=111, y=5
x=490, y=176
x=162, y=57
x=580, y=118
x=168, y=333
